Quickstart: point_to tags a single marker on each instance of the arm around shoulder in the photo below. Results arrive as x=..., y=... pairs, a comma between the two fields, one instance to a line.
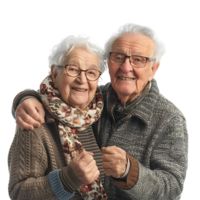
x=22, y=96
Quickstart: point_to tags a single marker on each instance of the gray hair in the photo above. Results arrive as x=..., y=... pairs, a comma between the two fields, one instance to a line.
x=159, y=48
x=68, y=44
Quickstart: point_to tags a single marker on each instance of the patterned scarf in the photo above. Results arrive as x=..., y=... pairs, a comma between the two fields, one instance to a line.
x=69, y=120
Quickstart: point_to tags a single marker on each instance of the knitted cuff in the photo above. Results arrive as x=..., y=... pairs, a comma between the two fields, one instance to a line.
x=57, y=186
x=24, y=98
x=132, y=176
x=69, y=180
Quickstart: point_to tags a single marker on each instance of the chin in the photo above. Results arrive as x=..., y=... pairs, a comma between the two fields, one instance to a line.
x=125, y=91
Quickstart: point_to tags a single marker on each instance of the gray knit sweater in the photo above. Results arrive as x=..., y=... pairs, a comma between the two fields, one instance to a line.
x=154, y=133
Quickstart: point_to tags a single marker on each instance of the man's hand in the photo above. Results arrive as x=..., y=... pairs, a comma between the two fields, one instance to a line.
x=29, y=114
x=85, y=168
x=114, y=161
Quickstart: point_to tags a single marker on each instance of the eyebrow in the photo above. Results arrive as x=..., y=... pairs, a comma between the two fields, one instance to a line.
x=92, y=66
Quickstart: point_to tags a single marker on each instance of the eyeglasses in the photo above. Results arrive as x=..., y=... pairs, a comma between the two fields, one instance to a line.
x=135, y=61
x=74, y=71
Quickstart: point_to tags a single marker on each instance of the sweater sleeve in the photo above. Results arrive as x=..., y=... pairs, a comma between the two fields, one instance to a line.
x=165, y=176
x=29, y=168
x=26, y=92
x=131, y=177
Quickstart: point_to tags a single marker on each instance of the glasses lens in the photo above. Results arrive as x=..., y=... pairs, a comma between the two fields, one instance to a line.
x=117, y=58
x=138, y=61
x=92, y=74
x=73, y=70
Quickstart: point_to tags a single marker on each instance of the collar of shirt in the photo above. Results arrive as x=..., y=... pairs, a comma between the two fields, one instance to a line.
x=115, y=108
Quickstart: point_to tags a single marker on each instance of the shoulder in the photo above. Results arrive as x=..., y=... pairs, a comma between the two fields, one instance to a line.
x=163, y=104
x=104, y=90
x=35, y=137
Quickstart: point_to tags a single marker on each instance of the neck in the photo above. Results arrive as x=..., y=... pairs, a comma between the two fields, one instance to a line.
x=126, y=99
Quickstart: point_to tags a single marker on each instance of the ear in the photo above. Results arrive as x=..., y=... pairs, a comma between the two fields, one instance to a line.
x=154, y=68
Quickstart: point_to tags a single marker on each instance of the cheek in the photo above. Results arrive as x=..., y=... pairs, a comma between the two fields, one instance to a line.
x=113, y=71
x=93, y=87
x=63, y=87
x=112, y=75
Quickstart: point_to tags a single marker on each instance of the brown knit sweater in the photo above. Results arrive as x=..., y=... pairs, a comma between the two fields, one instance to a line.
x=33, y=154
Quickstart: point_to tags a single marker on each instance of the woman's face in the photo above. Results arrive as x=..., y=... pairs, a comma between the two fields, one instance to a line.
x=77, y=91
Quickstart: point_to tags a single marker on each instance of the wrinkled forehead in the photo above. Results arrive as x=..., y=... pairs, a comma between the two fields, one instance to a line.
x=134, y=44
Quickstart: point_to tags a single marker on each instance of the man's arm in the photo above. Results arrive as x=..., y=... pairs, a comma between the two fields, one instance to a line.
x=165, y=176
x=28, y=110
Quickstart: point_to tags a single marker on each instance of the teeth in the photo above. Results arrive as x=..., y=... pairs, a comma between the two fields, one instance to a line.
x=81, y=90
x=123, y=78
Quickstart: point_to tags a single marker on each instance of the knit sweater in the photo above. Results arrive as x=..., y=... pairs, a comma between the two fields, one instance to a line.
x=37, y=164
x=153, y=133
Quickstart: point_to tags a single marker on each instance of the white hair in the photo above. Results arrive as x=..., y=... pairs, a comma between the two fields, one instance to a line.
x=68, y=44
x=159, y=48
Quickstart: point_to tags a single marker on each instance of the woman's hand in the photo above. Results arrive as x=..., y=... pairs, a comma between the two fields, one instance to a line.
x=85, y=168
x=29, y=114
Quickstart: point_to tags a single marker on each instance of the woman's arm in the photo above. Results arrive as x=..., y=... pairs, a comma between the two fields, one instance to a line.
x=29, y=165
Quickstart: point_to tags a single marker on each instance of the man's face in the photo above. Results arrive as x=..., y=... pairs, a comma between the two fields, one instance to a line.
x=128, y=81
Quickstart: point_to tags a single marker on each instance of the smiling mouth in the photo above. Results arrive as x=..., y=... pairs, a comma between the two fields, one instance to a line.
x=80, y=90
x=124, y=78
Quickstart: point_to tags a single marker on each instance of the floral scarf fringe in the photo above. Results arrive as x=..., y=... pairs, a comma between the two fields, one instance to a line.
x=69, y=120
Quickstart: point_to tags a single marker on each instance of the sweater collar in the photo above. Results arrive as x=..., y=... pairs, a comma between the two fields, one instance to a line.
x=143, y=108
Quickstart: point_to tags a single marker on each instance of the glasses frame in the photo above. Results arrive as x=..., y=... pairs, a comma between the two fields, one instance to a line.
x=147, y=58
x=81, y=70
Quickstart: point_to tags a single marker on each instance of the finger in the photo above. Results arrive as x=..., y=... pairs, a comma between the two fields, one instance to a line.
x=90, y=168
x=41, y=111
x=96, y=175
x=23, y=125
x=34, y=113
x=34, y=108
x=107, y=165
x=87, y=159
x=26, y=118
x=109, y=150
x=90, y=153
x=108, y=157
x=84, y=153
x=94, y=172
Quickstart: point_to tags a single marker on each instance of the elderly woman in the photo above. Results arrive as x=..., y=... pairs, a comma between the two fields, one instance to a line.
x=138, y=124
x=55, y=160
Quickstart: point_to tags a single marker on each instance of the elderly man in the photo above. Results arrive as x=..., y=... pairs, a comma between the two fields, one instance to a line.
x=142, y=135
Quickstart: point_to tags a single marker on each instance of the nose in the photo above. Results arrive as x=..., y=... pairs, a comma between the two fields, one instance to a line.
x=126, y=66
x=82, y=78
